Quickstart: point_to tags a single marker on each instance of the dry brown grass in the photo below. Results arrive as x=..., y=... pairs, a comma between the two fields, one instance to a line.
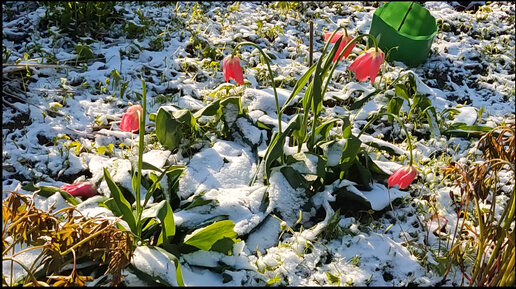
x=493, y=238
x=64, y=238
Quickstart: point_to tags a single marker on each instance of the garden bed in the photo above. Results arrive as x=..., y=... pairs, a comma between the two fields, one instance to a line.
x=227, y=196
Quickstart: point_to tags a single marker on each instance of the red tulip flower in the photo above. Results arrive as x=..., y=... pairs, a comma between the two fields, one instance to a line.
x=232, y=69
x=367, y=64
x=402, y=177
x=83, y=189
x=130, y=121
x=343, y=43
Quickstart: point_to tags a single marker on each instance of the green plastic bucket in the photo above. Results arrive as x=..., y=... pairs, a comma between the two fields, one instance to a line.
x=406, y=25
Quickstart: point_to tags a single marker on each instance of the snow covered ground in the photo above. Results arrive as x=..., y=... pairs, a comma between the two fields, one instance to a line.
x=70, y=106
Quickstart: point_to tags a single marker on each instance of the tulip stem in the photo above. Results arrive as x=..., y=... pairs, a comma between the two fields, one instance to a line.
x=402, y=125
x=266, y=59
x=311, y=41
x=387, y=54
x=141, y=132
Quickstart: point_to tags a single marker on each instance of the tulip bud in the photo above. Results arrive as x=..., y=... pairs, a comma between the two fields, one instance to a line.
x=130, y=121
x=232, y=70
x=402, y=177
x=367, y=64
x=343, y=43
x=82, y=189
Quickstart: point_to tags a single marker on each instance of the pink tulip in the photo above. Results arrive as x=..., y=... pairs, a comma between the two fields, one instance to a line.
x=343, y=43
x=130, y=121
x=83, y=189
x=367, y=64
x=402, y=177
x=232, y=69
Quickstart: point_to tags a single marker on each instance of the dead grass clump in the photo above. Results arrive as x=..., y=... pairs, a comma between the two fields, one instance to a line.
x=64, y=238
x=490, y=236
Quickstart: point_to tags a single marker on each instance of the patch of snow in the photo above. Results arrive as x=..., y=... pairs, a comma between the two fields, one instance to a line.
x=283, y=199
x=467, y=115
x=148, y=259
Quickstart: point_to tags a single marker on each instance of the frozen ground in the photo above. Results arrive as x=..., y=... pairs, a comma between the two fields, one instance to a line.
x=471, y=68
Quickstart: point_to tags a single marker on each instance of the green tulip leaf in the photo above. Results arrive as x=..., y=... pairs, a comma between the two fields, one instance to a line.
x=275, y=149
x=173, y=126
x=206, y=237
x=122, y=204
x=47, y=191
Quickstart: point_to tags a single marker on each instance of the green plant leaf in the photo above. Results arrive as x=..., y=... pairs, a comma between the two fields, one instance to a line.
x=332, y=230
x=205, y=238
x=151, y=227
x=179, y=275
x=431, y=116
x=334, y=280
x=172, y=172
x=350, y=202
x=294, y=178
x=346, y=127
x=167, y=129
x=316, y=105
x=209, y=110
x=210, y=221
x=329, y=59
x=394, y=107
x=123, y=205
x=361, y=175
x=401, y=90
x=147, y=166
x=197, y=201
x=301, y=132
x=224, y=245
x=304, y=157
x=382, y=145
x=84, y=51
x=111, y=205
x=230, y=117
x=361, y=101
x=260, y=124
x=322, y=131
x=264, y=203
x=373, y=167
x=349, y=152
x=217, y=107
x=231, y=100
x=411, y=84
x=298, y=86
x=463, y=130
x=274, y=280
x=135, y=182
x=168, y=227
x=47, y=191
x=173, y=175
x=421, y=102
x=275, y=149
x=172, y=126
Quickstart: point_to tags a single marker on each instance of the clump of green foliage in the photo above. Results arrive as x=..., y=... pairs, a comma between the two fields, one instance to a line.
x=79, y=19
